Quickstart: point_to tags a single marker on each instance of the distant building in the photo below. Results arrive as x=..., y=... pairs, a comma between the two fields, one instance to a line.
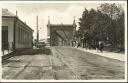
x=60, y=34
x=15, y=33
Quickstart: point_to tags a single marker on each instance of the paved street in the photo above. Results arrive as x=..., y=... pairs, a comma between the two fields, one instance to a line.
x=61, y=63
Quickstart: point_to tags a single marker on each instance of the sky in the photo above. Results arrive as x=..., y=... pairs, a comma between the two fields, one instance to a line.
x=58, y=12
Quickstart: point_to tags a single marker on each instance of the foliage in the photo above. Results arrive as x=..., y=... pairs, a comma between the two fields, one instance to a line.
x=106, y=24
x=112, y=10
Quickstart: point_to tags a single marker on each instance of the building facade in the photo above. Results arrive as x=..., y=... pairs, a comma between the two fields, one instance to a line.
x=15, y=33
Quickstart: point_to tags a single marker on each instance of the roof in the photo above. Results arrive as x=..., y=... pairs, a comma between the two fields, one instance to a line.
x=5, y=12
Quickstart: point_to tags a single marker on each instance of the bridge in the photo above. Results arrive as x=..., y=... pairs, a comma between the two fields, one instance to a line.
x=61, y=34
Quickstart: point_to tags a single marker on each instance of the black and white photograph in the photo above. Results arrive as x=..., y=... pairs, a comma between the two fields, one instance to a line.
x=76, y=41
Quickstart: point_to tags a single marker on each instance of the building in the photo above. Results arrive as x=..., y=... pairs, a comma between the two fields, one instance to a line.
x=60, y=34
x=15, y=33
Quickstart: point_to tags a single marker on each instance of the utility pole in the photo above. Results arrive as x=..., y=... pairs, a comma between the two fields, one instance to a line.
x=16, y=13
x=37, y=31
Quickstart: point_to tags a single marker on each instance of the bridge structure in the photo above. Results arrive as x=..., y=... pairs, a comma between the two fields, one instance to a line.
x=61, y=34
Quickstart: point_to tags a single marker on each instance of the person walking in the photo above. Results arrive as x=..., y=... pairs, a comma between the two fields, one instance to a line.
x=101, y=46
x=78, y=44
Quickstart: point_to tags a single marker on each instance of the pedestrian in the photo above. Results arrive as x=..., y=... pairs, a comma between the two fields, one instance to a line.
x=73, y=43
x=97, y=46
x=77, y=44
x=101, y=46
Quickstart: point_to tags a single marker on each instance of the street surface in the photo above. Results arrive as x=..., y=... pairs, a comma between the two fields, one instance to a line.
x=61, y=63
x=113, y=55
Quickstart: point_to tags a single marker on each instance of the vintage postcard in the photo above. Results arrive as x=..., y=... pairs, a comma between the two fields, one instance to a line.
x=63, y=41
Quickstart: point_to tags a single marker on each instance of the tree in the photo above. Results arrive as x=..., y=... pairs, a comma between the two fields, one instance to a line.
x=106, y=24
x=84, y=21
x=114, y=11
x=120, y=29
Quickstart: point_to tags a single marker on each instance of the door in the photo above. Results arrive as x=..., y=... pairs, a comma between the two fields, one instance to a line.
x=4, y=37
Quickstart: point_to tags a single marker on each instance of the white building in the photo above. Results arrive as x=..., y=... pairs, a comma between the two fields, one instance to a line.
x=15, y=33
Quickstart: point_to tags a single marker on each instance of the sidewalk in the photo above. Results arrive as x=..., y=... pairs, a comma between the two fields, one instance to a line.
x=112, y=55
x=6, y=52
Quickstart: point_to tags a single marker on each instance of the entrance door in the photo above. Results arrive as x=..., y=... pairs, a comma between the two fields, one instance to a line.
x=4, y=37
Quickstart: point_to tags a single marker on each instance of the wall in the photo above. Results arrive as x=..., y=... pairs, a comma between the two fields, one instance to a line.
x=10, y=23
x=23, y=36
x=22, y=40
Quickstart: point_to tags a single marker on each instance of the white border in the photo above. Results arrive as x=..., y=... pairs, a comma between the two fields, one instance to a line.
x=63, y=1
x=125, y=8
x=0, y=43
x=126, y=55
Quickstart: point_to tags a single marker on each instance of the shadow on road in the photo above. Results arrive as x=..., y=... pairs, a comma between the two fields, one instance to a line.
x=36, y=52
x=26, y=52
x=30, y=52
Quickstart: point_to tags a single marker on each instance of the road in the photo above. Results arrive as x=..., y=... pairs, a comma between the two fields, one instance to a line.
x=61, y=63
